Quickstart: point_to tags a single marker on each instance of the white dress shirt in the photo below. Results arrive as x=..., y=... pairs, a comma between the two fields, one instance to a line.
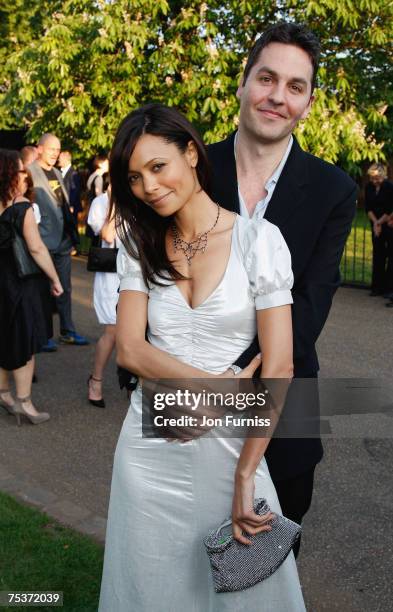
x=65, y=170
x=260, y=208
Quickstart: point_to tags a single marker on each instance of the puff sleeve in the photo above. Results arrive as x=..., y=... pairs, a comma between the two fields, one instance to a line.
x=129, y=272
x=268, y=265
x=98, y=213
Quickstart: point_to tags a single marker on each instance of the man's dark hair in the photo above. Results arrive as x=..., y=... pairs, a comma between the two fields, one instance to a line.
x=287, y=34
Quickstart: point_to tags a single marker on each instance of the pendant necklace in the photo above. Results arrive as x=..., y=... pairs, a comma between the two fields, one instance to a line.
x=190, y=249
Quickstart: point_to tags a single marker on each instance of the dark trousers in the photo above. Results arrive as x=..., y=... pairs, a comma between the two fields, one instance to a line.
x=47, y=303
x=382, y=274
x=295, y=496
x=62, y=262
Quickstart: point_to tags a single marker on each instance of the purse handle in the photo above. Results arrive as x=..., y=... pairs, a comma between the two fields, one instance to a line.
x=226, y=523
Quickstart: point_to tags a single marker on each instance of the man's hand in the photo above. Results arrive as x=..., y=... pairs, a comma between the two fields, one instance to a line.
x=56, y=289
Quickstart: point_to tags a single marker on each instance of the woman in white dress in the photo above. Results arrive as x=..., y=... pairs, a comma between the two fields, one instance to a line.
x=106, y=285
x=202, y=308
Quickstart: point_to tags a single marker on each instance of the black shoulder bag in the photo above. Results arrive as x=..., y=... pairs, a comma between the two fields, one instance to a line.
x=102, y=259
x=25, y=264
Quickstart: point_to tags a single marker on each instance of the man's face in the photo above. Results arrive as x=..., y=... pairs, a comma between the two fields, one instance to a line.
x=49, y=151
x=64, y=159
x=277, y=93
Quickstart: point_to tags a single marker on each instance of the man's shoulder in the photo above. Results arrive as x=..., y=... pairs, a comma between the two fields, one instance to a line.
x=327, y=175
x=216, y=149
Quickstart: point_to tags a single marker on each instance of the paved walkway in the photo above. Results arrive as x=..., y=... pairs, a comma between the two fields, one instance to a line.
x=64, y=466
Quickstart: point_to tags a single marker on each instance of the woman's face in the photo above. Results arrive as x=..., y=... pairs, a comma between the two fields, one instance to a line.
x=161, y=175
x=376, y=179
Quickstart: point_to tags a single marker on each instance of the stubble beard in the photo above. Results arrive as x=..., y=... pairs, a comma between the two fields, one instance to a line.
x=263, y=134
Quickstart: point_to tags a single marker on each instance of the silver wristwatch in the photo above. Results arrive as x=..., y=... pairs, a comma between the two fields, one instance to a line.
x=235, y=369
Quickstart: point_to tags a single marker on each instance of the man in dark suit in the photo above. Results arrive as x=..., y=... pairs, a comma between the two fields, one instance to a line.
x=261, y=171
x=72, y=182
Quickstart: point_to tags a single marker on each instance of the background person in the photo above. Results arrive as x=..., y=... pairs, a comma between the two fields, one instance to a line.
x=95, y=182
x=390, y=295
x=58, y=230
x=379, y=207
x=94, y=188
x=22, y=321
x=106, y=285
x=42, y=281
x=29, y=154
x=72, y=182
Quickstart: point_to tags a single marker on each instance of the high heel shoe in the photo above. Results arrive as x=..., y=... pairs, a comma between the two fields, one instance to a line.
x=35, y=419
x=97, y=403
x=3, y=403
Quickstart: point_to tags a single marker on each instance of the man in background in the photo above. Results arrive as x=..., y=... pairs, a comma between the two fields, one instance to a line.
x=58, y=230
x=71, y=181
x=29, y=154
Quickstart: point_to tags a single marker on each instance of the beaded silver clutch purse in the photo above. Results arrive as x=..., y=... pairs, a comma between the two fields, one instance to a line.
x=237, y=566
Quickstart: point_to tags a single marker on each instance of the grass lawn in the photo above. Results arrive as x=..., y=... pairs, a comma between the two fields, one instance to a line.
x=37, y=554
x=357, y=259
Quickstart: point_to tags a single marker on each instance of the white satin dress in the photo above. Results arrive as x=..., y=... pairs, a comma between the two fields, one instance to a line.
x=166, y=497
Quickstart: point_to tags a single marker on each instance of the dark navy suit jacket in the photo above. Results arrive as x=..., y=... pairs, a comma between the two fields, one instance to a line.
x=313, y=204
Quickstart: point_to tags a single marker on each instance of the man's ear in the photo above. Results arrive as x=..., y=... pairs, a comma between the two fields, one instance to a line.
x=240, y=87
x=307, y=110
x=192, y=154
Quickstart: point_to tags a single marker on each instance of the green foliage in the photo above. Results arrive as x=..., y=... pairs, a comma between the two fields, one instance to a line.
x=80, y=68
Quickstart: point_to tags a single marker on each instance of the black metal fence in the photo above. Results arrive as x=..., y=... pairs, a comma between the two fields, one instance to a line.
x=356, y=262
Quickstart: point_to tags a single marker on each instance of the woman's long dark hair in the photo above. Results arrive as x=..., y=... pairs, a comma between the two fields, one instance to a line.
x=9, y=174
x=140, y=228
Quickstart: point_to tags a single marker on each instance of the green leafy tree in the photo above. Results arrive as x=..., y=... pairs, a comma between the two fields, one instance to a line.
x=80, y=69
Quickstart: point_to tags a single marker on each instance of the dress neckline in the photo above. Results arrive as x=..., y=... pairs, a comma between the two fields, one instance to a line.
x=203, y=303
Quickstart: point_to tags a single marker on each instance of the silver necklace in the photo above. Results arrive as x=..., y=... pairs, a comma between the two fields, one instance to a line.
x=190, y=249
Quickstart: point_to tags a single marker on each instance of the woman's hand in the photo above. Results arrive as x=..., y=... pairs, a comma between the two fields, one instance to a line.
x=377, y=228
x=55, y=288
x=243, y=516
x=247, y=372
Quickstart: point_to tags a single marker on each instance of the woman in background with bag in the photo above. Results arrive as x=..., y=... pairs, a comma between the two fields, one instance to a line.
x=23, y=256
x=106, y=285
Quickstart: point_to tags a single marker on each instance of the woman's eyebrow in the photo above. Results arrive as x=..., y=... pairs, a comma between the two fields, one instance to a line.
x=147, y=163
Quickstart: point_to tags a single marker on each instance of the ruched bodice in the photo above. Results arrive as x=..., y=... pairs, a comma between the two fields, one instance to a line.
x=211, y=336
